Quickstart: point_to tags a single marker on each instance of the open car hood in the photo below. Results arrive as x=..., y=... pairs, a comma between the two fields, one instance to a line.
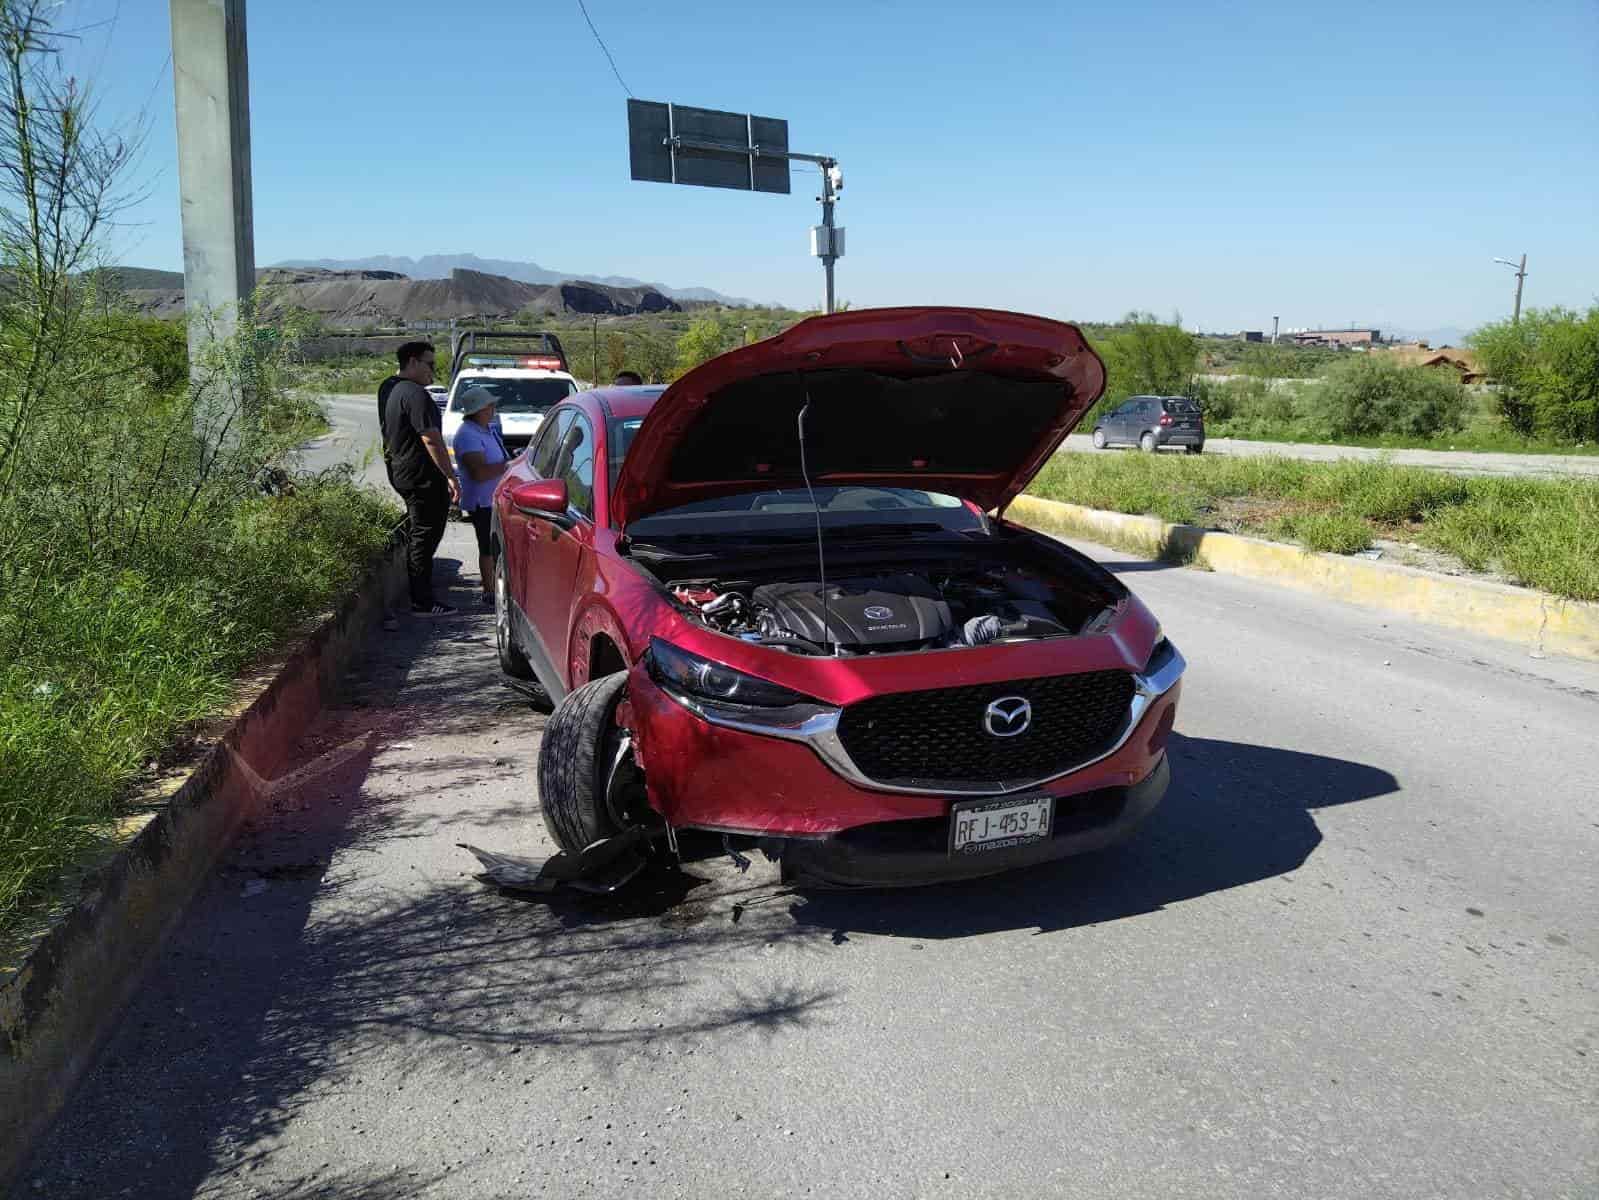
x=965, y=401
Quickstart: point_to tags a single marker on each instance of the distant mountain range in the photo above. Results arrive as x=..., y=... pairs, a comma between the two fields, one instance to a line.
x=349, y=299
x=439, y=266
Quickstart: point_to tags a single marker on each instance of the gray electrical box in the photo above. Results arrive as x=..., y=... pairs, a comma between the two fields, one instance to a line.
x=821, y=245
x=706, y=147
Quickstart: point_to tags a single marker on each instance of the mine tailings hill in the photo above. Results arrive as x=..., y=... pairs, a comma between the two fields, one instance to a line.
x=353, y=298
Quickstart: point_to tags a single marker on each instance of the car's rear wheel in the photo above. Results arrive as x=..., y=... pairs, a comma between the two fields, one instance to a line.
x=512, y=661
x=585, y=766
x=1099, y=439
x=1199, y=449
x=1147, y=443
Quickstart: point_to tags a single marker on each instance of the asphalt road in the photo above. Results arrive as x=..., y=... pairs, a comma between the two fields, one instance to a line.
x=1352, y=955
x=1458, y=462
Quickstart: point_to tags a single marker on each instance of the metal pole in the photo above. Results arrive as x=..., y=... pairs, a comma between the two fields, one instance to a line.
x=1521, y=276
x=827, y=221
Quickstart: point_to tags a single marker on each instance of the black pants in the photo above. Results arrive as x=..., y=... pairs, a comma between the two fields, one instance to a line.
x=427, y=509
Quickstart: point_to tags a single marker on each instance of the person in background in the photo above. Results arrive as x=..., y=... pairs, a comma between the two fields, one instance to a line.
x=390, y=622
x=481, y=458
x=419, y=466
x=628, y=379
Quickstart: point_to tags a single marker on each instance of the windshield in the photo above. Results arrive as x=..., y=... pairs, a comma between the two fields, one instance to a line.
x=784, y=511
x=516, y=395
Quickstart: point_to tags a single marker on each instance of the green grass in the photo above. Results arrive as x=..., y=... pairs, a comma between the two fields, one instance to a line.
x=1289, y=412
x=108, y=667
x=1543, y=533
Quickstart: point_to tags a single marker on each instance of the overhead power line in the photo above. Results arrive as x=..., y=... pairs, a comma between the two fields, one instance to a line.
x=584, y=9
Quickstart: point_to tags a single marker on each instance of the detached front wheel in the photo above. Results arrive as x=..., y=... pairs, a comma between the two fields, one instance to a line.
x=584, y=761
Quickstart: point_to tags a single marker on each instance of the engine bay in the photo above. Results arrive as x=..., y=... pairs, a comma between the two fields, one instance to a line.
x=975, y=605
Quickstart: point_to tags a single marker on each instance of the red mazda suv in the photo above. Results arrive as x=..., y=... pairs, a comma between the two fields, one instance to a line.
x=779, y=600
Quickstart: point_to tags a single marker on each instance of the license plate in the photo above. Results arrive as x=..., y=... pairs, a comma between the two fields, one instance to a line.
x=979, y=825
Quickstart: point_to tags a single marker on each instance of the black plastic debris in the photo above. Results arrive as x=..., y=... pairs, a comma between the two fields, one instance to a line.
x=599, y=868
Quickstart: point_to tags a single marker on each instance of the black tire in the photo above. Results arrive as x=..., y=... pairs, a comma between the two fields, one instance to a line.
x=512, y=661
x=1147, y=443
x=1199, y=449
x=575, y=756
x=1099, y=439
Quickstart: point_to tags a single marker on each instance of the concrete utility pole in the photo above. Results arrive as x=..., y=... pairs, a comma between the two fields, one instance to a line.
x=1521, y=277
x=211, y=85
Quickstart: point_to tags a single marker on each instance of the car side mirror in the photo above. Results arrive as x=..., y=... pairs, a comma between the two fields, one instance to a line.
x=540, y=498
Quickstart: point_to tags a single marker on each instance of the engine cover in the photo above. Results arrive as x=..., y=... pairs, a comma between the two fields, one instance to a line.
x=885, y=611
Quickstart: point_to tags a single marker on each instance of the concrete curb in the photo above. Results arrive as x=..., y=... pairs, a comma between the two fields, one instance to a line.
x=67, y=992
x=1539, y=622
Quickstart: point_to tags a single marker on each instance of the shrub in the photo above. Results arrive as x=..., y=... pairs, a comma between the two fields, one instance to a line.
x=1370, y=396
x=1547, y=369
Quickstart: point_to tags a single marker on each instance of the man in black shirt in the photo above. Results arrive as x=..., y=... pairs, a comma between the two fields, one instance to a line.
x=419, y=468
x=384, y=389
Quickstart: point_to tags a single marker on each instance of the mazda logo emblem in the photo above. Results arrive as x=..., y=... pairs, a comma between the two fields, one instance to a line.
x=1008, y=716
x=876, y=612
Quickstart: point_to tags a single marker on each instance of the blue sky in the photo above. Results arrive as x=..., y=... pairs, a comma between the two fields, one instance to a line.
x=1229, y=161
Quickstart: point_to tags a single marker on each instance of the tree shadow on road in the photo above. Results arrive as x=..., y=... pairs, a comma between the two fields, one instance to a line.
x=297, y=974
x=1235, y=814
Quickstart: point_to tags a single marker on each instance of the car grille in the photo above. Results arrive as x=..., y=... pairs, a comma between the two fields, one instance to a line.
x=924, y=739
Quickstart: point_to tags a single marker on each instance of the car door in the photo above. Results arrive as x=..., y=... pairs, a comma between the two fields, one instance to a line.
x=556, y=546
x=1116, y=427
x=1146, y=414
x=524, y=537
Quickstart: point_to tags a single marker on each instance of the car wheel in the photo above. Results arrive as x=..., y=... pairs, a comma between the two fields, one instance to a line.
x=1099, y=439
x=1147, y=443
x=580, y=752
x=1199, y=449
x=512, y=661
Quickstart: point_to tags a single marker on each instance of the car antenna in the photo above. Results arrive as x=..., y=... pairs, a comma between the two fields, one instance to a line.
x=821, y=558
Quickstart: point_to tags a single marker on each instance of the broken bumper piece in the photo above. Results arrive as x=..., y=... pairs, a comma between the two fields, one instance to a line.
x=602, y=867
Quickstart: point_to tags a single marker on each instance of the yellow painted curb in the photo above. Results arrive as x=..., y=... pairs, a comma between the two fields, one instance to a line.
x=1536, y=620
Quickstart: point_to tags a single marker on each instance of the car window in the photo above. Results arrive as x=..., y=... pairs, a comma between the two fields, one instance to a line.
x=619, y=434
x=575, y=464
x=521, y=397
x=1179, y=404
x=549, y=442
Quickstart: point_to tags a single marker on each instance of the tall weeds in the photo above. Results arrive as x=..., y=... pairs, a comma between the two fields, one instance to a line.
x=151, y=542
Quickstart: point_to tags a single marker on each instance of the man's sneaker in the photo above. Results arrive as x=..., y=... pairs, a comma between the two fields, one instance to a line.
x=433, y=610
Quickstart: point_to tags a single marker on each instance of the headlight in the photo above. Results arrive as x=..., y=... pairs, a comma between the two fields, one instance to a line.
x=700, y=677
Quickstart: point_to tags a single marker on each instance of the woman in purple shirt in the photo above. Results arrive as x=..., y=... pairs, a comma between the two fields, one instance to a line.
x=480, y=460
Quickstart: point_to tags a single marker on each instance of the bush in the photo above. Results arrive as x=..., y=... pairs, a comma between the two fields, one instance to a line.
x=1371, y=395
x=1144, y=357
x=1547, y=368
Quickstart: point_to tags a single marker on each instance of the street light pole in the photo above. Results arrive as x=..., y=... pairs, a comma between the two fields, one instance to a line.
x=831, y=256
x=1521, y=276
